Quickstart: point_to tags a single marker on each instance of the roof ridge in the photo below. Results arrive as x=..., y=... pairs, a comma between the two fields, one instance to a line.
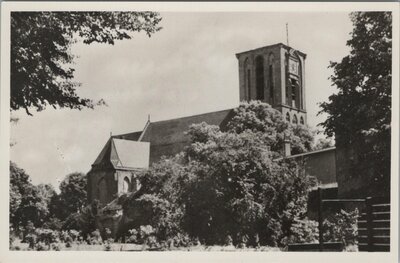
x=195, y=115
x=144, y=131
x=117, y=136
x=270, y=46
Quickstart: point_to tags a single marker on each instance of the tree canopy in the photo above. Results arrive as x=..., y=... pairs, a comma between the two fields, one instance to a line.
x=359, y=114
x=72, y=197
x=37, y=205
x=230, y=184
x=28, y=203
x=41, y=61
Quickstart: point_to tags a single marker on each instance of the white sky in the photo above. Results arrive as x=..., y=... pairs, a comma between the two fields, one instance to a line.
x=189, y=67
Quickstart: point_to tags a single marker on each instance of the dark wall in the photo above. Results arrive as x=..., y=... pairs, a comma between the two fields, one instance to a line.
x=108, y=192
x=320, y=164
x=355, y=181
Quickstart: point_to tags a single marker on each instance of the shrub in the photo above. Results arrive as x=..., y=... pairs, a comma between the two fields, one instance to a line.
x=53, y=223
x=228, y=241
x=342, y=227
x=47, y=236
x=107, y=244
x=182, y=240
x=12, y=238
x=28, y=229
x=95, y=238
x=31, y=240
x=143, y=235
x=41, y=246
x=74, y=234
x=242, y=240
x=132, y=236
x=303, y=231
x=55, y=246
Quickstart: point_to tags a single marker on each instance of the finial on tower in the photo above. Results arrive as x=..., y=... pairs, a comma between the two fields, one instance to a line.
x=148, y=117
x=287, y=34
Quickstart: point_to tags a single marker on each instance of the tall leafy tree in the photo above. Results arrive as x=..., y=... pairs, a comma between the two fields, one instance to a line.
x=229, y=183
x=41, y=70
x=26, y=200
x=261, y=118
x=359, y=114
x=72, y=197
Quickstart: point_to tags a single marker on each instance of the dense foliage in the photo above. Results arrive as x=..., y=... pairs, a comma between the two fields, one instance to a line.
x=41, y=70
x=33, y=206
x=72, y=197
x=359, y=114
x=28, y=203
x=232, y=184
x=342, y=227
x=228, y=187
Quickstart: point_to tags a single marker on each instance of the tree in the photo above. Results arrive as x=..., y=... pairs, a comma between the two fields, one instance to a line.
x=72, y=197
x=230, y=183
x=41, y=72
x=262, y=119
x=26, y=200
x=359, y=114
x=323, y=143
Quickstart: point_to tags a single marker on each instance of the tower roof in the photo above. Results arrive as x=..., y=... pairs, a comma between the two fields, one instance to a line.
x=272, y=46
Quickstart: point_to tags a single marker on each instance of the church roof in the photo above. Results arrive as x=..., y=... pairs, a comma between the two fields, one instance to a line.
x=168, y=137
x=124, y=154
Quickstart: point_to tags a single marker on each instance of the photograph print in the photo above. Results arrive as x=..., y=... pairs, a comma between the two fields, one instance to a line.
x=200, y=131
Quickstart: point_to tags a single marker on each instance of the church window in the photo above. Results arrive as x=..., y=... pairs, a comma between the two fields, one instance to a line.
x=295, y=121
x=247, y=79
x=271, y=84
x=125, y=185
x=294, y=93
x=288, y=117
x=301, y=121
x=260, y=78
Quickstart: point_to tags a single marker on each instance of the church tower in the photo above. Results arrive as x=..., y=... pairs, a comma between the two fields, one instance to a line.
x=276, y=75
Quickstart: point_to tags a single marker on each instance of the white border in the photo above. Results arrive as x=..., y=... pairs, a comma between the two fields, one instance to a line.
x=85, y=256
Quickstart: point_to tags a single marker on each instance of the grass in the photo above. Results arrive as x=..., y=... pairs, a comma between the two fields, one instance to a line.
x=137, y=247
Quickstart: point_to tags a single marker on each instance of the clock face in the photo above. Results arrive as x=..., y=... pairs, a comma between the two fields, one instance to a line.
x=293, y=67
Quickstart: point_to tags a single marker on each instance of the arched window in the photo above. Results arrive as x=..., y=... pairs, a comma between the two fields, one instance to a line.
x=300, y=83
x=294, y=93
x=247, y=78
x=295, y=121
x=271, y=78
x=288, y=117
x=126, y=185
x=301, y=120
x=260, y=78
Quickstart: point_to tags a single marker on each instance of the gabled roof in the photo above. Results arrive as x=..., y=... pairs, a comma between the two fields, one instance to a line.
x=172, y=131
x=168, y=137
x=124, y=154
x=132, y=154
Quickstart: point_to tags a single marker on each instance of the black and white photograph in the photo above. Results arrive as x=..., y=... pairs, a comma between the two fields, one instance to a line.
x=142, y=129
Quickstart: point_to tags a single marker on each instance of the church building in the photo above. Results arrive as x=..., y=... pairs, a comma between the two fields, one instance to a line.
x=273, y=74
